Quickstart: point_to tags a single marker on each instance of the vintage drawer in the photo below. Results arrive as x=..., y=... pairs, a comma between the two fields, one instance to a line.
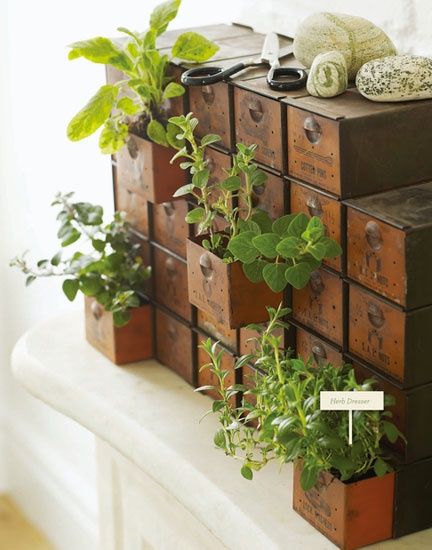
x=207, y=378
x=170, y=279
x=391, y=340
x=174, y=345
x=270, y=197
x=309, y=345
x=169, y=226
x=316, y=203
x=132, y=203
x=219, y=331
x=320, y=305
x=249, y=345
x=390, y=244
x=260, y=117
x=409, y=413
x=351, y=146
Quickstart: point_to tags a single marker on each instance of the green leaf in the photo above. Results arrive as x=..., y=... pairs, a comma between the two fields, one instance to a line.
x=56, y=259
x=332, y=248
x=289, y=247
x=70, y=288
x=242, y=248
x=390, y=431
x=101, y=50
x=254, y=271
x=171, y=134
x=209, y=138
x=72, y=236
x=192, y=46
x=173, y=90
x=274, y=276
x=94, y=114
x=184, y=190
x=90, y=285
x=246, y=472
x=317, y=250
x=309, y=477
x=266, y=244
x=98, y=244
x=314, y=230
x=121, y=318
x=263, y=220
x=280, y=226
x=163, y=14
x=113, y=137
x=231, y=184
x=298, y=225
x=380, y=467
x=157, y=133
x=200, y=179
x=30, y=279
x=342, y=463
x=196, y=215
x=298, y=275
x=128, y=106
x=219, y=439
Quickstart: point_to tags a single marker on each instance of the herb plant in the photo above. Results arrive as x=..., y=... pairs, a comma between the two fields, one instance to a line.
x=136, y=103
x=112, y=272
x=283, y=401
x=280, y=252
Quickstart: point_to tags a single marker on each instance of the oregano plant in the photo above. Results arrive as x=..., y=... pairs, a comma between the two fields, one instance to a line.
x=280, y=252
x=110, y=270
x=282, y=399
x=136, y=103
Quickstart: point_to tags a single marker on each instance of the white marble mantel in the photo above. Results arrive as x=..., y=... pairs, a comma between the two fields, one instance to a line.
x=162, y=484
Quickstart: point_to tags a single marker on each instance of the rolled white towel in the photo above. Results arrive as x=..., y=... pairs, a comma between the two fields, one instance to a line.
x=328, y=75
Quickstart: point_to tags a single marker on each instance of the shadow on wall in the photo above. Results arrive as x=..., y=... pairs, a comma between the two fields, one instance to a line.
x=400, y=19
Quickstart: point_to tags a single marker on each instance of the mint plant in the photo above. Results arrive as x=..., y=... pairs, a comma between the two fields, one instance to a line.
x=137, y=103
x=217, y=199
x=112, y=271
x=288, y=423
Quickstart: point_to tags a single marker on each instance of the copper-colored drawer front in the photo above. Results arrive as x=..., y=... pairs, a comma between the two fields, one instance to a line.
x=314, y=203
x=170, y=227
x=207, y=378
x=210, y=105
x=219, y=331
x=377, y=332
x=270, y=197
x=320, y=305
x=310, y=346
x=376, y=256
x=313, y=149
x=258, y=120
x=134, y=205
x=170, y=278
x=174, y=345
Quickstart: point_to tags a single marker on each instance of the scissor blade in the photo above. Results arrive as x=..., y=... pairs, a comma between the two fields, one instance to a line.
x=270, y=51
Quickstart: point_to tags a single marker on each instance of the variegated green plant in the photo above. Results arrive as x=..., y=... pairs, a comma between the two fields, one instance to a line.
x=138, y=100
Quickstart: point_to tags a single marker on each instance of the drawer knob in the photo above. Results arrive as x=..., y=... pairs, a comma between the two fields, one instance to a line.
x=171, y=268
x=255, y=110
x=312, y=129
x=316, y=283
x=375, y=315
x=314, y=206
x=97, y=310
x=206, y=266
x=132, y=148
x=319, y=353
x=172, y=332
x=208, y=94
x=373, y=235
x=169, y=209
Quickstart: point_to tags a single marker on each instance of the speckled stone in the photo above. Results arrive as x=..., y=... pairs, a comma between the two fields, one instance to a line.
x=328, y=76
x=357, y=39
x=396, y=78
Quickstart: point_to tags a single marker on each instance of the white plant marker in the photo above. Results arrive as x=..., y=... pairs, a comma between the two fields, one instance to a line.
x=351, y=401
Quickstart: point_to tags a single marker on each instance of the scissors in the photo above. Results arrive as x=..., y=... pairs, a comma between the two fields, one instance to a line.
x=270, y=55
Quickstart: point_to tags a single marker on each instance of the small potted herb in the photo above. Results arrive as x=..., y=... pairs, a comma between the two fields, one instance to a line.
x=345, y=491
x=239, y=247
x=111, y=276
x=133, y=110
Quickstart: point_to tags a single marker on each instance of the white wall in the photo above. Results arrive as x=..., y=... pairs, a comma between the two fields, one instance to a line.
x=49, y=461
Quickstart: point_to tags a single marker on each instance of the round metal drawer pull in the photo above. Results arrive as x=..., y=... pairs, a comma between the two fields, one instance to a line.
x=206, y=266
x=375, y=315
x=319, y=353
x=171, y=268
x=172, y=332
x=255, y=110
x=132, y=147
x=316, y=283
x=208, y=94
x=169, y=209
x=312, y=129
x=314, y=206
x=97, y=310
x=373, y=235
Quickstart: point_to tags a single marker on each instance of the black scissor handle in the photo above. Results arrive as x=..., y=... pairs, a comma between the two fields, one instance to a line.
x=276, y=82
x=201, y=76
